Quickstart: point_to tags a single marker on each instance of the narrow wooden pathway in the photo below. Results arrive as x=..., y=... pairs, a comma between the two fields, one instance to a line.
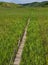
x=19, y=53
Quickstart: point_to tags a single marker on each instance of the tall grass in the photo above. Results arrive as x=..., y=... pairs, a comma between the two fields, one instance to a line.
x=12, y=24
x=35, y=51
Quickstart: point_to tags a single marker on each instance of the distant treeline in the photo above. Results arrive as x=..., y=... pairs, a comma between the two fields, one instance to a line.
x=36, y=4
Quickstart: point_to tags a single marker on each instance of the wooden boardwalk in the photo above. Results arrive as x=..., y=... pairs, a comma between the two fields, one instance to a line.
x=19, y=53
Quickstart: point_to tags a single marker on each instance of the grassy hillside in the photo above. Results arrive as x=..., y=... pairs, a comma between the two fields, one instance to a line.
x=6, y=4
x=34, y=4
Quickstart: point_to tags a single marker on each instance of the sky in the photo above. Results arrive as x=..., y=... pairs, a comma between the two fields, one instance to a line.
x=23, y=1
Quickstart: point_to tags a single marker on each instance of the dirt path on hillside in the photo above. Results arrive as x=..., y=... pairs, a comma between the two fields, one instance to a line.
x=19, y=53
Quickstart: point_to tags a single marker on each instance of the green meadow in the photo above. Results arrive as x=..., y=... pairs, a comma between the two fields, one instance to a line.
x=36, y=47
x=12, y=24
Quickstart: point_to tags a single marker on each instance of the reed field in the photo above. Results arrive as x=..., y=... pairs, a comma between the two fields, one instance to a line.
x=12, y=24
x=36, y=47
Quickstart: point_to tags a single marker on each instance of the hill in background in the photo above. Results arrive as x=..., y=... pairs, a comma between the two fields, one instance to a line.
x=34, y=4
x=6, y=4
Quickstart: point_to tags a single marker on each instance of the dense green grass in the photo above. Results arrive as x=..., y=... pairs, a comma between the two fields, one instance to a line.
x=12, y=24
x=36, y=47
